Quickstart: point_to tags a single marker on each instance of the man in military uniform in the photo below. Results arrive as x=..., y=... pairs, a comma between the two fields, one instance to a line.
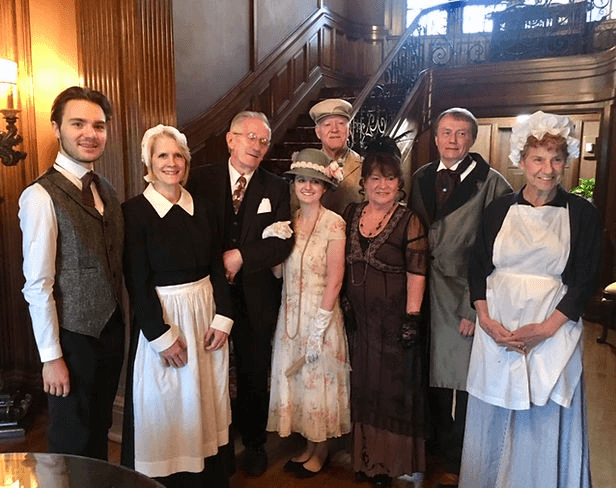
x=332, y=118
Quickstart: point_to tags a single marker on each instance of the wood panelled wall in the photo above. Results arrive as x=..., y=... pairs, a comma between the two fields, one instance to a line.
x=125, y=51
x=18, y=357
x=584, y=84
x=568, y=85
x=326, y=50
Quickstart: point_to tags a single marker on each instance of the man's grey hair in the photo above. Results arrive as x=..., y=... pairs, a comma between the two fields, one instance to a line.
x=459, y=114
x=238, y=120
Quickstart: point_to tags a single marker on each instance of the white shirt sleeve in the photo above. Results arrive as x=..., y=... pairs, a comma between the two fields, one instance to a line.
x=39, y=228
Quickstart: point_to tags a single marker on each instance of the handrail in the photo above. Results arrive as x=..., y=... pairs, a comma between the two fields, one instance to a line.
x=370, y=118
x=379, y=102
x=374, y=79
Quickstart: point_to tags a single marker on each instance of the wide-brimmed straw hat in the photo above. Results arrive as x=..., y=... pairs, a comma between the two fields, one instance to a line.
x=314, y=163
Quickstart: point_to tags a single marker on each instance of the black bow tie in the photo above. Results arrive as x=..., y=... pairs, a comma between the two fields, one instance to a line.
x=448, y=179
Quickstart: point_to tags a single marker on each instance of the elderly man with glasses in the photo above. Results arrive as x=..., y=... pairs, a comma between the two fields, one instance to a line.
x=252, y=207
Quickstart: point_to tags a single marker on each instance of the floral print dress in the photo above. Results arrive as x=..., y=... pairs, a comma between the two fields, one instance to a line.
x=310, y=399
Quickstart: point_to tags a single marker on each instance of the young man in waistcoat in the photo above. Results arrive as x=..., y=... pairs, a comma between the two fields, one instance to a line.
x=248, y=199
x=73, y=231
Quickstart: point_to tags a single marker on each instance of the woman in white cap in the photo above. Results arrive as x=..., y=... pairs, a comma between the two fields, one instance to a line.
x=310, y=373
x=531, y=271
x=178, y=408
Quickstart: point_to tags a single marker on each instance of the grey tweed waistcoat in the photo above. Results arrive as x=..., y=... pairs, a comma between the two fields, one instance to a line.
x=88, y=281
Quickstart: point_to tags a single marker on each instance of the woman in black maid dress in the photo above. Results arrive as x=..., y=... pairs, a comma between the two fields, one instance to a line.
x=177, y=403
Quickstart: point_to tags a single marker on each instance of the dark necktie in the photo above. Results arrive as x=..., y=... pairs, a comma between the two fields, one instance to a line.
x=447, y=180
x=238, y=193
x=87, y=197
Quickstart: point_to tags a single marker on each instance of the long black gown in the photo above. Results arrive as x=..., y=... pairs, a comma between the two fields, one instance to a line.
x=387, y=381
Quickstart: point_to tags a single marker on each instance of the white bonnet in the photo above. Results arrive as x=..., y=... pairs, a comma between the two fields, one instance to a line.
x=539, y=124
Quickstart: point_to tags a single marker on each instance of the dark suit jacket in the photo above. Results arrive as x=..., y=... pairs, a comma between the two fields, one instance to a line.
x=261, y=290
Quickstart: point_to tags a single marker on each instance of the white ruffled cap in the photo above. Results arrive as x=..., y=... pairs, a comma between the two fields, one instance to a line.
x=145, y=144
x=539, y=124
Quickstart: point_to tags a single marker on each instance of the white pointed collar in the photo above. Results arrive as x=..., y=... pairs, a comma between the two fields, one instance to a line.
x=162, y=205
x=72, y=166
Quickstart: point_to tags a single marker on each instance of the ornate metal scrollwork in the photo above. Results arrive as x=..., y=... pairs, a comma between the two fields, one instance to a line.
x=520, y=31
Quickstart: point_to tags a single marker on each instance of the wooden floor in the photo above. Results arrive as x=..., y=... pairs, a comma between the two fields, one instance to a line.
x=600, y=370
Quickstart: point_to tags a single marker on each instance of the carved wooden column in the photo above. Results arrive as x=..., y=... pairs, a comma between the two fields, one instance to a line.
x=126, y=51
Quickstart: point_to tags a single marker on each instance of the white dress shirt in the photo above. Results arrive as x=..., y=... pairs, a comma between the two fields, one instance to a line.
x=39, y=227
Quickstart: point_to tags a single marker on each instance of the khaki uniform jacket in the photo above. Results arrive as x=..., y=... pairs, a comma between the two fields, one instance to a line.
x=347, y=191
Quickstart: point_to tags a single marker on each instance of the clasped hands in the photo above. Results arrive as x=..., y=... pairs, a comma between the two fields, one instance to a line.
x=521, y=340
x=176, y=355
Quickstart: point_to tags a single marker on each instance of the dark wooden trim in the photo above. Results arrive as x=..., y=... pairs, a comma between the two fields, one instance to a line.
x=264, y=79
x=254, y=41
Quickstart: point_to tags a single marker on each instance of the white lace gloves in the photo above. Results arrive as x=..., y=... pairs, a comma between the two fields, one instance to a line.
x=315, y=339
x=281, y=229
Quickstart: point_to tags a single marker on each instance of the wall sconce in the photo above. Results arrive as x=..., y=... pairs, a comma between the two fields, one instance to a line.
x=10, y=138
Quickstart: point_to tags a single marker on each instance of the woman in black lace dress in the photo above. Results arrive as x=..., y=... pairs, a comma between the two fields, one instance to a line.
x=386, y=263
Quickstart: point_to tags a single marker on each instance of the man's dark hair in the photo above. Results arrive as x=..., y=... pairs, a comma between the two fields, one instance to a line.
x=79, y=93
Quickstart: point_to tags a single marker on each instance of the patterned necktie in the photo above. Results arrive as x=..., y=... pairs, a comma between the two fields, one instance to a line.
x=87, y=197
x=447, y=180
x=238, y=193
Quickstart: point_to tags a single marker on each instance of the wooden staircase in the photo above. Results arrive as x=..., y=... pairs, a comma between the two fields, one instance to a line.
x=302, y=135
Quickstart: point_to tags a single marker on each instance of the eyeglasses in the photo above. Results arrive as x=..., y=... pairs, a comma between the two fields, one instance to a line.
x=251, y=136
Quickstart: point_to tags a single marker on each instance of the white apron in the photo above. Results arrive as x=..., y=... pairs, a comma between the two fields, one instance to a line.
x=182, y=414
x=530, y=254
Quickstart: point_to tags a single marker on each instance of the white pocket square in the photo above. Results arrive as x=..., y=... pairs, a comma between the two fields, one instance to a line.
x=265, y=206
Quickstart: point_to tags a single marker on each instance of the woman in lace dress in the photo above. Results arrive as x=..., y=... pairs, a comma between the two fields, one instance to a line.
x=386, y=261
x=310, y=373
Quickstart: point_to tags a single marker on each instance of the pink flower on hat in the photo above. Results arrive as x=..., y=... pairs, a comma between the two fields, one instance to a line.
x=334, y=171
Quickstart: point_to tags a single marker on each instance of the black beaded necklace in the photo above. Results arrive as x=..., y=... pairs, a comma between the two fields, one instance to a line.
x=380, y=223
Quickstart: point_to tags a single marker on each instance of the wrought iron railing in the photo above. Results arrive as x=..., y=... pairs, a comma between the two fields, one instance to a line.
x=545, y=29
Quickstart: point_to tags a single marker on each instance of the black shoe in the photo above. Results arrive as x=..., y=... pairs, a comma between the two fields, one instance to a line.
x=292, y=466
x=304, y=473
x=361, y=476
x=382, y=480
x=255, y=461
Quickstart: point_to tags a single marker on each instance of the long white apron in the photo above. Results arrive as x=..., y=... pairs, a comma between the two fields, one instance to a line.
x=530, y=254
x=182, y=414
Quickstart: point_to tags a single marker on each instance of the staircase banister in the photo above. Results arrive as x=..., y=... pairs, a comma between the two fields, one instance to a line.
x=398, y=125
x=208, y=123
x=374, y=79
